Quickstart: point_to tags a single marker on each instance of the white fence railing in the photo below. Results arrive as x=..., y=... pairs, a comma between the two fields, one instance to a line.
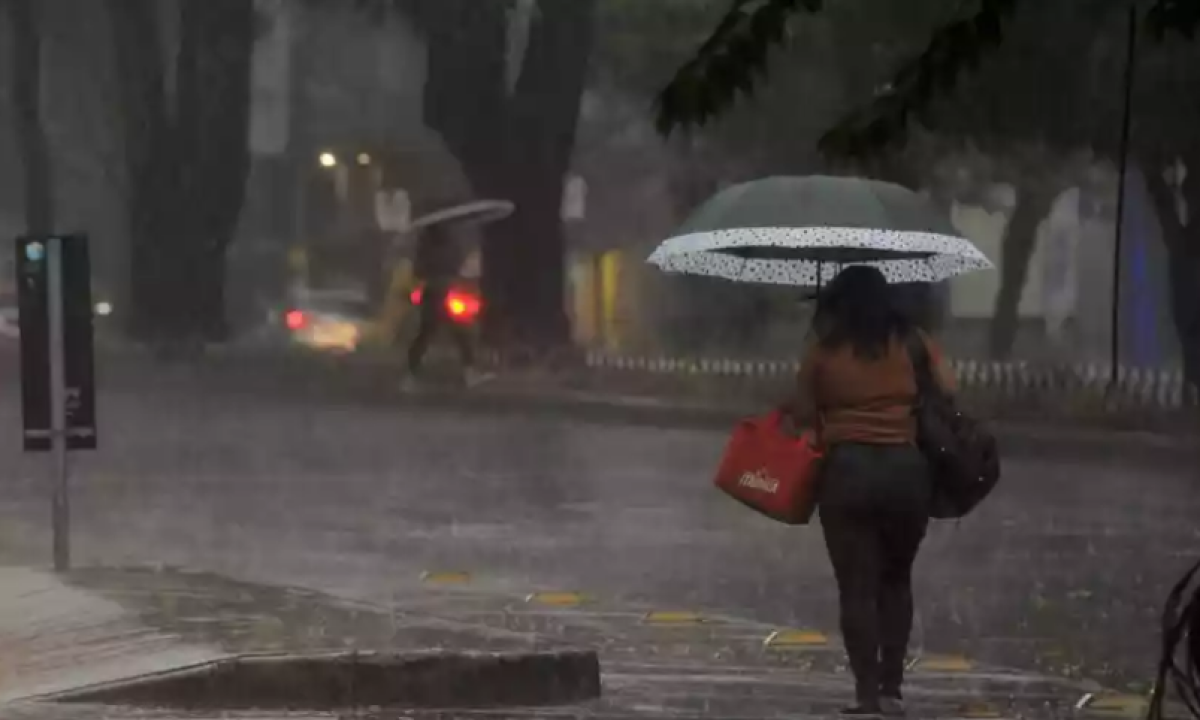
x=1130, y=385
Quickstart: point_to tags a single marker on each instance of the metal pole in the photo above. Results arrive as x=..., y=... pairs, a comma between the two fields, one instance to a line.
x=1118, y=240
x=299, y=235
x=60, y=504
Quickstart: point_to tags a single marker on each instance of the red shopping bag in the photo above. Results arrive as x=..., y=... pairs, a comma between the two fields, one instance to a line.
x=771, y=471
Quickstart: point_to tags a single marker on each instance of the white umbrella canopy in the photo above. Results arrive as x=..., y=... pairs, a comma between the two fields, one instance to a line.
x=803, y=231
x=478, y=212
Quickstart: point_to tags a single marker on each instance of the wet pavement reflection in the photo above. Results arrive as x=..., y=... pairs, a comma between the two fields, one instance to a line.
x=241, y=618
x=1050, y=578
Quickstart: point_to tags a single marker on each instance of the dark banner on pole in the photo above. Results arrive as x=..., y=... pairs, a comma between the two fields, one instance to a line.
x=32, y=263
x=34, y=308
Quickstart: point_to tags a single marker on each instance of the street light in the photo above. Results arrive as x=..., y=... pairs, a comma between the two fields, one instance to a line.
x=364, y=159
x=327, y=160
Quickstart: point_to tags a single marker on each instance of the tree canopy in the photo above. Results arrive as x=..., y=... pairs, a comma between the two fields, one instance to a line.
x=1030, y=81
x=731, y=62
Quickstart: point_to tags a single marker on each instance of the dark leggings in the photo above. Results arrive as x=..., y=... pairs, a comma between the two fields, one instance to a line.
x=434, y=316
x=874, y=513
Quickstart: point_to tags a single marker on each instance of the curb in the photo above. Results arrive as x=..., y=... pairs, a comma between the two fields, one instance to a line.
x=1032, y=441
x=357, y=680
x=304, y=374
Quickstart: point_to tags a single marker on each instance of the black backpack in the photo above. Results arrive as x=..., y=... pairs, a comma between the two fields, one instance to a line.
x=963, y=456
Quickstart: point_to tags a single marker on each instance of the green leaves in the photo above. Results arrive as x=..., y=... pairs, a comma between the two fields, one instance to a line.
x=730, y=62
x=955, y=49
x=1181, y=16
x=734, y=58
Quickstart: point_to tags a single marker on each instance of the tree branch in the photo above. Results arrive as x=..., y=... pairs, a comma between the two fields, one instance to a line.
x=956, y=48
x=729, y=62
x=1179, y=16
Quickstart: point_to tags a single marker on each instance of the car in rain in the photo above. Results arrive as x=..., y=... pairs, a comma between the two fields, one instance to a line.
x=329, y=321
x=342, y=322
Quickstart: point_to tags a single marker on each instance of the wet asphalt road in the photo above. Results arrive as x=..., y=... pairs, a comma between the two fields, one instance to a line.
x=1063, y=571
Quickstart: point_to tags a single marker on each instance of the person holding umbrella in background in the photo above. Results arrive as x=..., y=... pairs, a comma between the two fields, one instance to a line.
x=449, y=216
x=440, y=254
x=443, y=242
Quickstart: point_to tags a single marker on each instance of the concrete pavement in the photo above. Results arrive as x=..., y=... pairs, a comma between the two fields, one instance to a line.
x=195, y=641
x=658, y=663
x=54, y=637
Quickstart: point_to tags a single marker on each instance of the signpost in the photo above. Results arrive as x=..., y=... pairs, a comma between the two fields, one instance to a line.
x=393, y=211
x=58, y=393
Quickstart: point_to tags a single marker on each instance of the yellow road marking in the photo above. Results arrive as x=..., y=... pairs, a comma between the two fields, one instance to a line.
x=556, y=599
x=945, y=664
x=979, y=711
x=446, y=578
x=1116, y=705
x=673, y=617
x=795, y=638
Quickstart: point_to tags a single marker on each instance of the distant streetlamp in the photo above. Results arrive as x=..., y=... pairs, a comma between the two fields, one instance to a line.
x=328, y=160
x=364, y=159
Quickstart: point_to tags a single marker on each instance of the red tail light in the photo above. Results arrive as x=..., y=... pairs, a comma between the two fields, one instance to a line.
x=462, y=306
x=295, y=319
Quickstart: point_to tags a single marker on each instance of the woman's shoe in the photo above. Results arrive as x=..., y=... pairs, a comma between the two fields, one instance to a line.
x=892, y=706
x=409, y=384
x=863, y=710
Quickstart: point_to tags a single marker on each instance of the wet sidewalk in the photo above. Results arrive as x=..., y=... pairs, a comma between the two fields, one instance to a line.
x=683, y=663
x=657, y=663
x=135, y=637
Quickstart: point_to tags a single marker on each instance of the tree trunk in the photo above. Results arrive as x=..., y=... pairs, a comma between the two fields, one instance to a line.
x=466, y=100
x=465, y=93
x=150, y=167
x=1020, y=240
x=27, y=100
x=186, y=161
x=517, y=148
x=541, y=128
x=1183, y=253
x=212, y=132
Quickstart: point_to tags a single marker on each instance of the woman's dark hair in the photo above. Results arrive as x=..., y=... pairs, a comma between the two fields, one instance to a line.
x=858, y=309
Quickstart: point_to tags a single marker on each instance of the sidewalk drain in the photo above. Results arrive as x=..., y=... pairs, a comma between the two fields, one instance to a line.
x=357, y=680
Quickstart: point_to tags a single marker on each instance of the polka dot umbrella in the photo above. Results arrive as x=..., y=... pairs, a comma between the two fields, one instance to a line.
x=803, y=230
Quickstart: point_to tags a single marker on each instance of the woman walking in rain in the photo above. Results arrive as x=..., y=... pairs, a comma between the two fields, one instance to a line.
x=857, y=386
